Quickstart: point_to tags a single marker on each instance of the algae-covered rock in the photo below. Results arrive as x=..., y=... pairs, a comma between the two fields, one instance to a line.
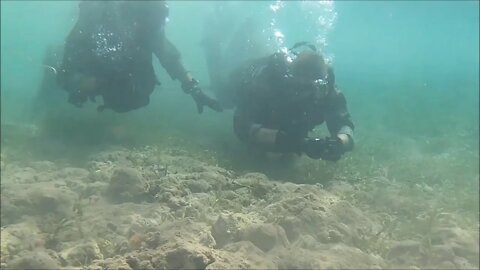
x=82, y=254
x=403, y=248
x=187, y=258
x=10, y=212
x=265, y=236
x=2, y=162
x=21, y=175
x=94, y=189
x=45, y=200
x=197, y=186
x=462, y=242
x=43, y=165
x=264, y=224
x=446, y=265
x=258, y=184
x=9, y=245
x=136, y=262
x=208, y=240
x=126, y=185
x=241, y=255
x=463, y=263
x=336, y=256
x=19, y=237
x=225, y=230
x=33, y=260
x=442, y=253
x=71, y=172
x=306, y=241
x=100, y=175
x=292, y=226
x=116, y=263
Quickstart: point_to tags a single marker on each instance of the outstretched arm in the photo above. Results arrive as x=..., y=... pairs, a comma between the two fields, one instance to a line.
x=269, y=139
x=338, y=118
x=169, y=58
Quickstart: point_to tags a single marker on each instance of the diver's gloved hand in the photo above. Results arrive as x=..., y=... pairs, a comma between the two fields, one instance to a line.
x=77, y=98
x=200, y=98
x=329, y=148
x=80, y=87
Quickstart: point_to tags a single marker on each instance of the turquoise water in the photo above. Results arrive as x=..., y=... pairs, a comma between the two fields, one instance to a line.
x=406, y=67
x=409, y=70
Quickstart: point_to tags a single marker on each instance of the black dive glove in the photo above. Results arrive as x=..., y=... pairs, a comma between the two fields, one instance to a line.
x=80, y=87
x=77, y=98
x=329, y=148
x=200, y=98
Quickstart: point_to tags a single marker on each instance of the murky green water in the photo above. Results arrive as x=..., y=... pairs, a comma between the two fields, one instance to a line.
x=409, y=70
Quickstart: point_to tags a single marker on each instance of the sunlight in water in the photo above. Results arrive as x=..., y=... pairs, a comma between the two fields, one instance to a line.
x=319, y=17
x=277, y=6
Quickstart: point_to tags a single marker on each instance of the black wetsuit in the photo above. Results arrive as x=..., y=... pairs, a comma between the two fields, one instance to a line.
x=270, y=97
x=113, y=42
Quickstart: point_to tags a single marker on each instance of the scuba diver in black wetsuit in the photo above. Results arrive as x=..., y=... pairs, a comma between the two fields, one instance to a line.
x=279, y=101
x=109, y=51
x=280, y=98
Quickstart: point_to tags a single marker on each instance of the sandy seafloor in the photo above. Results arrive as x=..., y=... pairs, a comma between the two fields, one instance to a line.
x=162, y=208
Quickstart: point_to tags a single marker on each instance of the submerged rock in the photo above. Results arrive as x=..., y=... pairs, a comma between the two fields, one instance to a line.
x=265, y=236
x=403, y=248
x=33, y=260
x=126, y=185
x=45, y=200
x=202, y=217
x=225, y=230
x=2, y=162
x=185, y=258
x=117, y=263
x=43, y=165
x=10, y=212
x=337, y=256
x=198, y=186
x=292, y=227
x=306, y=241
x=40, y=200
x=242, y=255
x=82, y=254
x=19, y=237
